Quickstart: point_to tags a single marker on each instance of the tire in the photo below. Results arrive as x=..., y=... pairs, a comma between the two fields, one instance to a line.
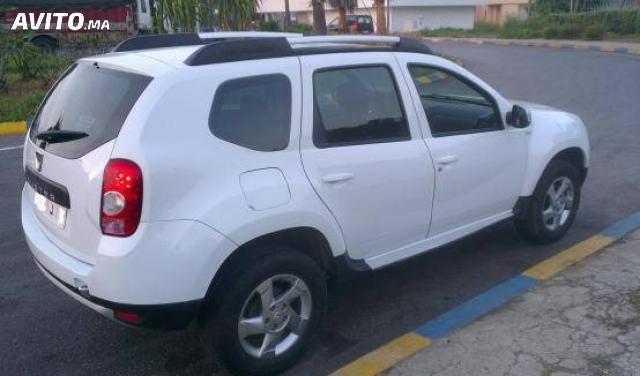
x=545, y=220
x=276, y=267
x=47, y=45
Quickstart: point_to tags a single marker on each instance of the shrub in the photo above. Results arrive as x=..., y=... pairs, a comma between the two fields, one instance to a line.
x=269, y=26
x=594, y=32
x=570, y=32
x=301, y=28
x=483, y=27
x=551, y=32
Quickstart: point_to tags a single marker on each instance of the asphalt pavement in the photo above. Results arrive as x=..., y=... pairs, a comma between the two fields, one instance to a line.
x=46, y=332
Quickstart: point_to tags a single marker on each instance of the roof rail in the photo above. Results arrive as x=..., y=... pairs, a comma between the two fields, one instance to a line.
x=246, y=34
x=240, y=49
x=145, y=42
x=350, y=39
x=266, y=48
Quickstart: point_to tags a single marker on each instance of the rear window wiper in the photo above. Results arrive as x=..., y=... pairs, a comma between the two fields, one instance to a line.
x=54, y=137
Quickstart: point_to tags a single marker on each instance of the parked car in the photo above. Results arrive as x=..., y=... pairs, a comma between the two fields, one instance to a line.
x=122, y=17
x=356, y=24
x=177, y=180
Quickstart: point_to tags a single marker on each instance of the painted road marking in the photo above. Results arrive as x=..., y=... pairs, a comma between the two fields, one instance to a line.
x=555, y=264
x=476, y=307
x=386, y=356
x=12, y=148
x=406, y=345
x=13, y=128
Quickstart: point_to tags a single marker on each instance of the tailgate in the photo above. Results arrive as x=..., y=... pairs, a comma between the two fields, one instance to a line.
x=68, y=146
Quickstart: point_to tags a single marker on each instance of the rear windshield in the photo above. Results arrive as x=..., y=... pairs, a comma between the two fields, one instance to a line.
x=88, y=99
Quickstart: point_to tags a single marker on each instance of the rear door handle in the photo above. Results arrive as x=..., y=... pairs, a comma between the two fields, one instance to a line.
x=447, y=159
x=336, y=178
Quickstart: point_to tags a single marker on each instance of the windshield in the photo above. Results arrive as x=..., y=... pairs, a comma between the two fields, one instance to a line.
x=90, y=100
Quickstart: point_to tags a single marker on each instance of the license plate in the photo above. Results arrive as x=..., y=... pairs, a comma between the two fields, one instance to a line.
x=51, y=210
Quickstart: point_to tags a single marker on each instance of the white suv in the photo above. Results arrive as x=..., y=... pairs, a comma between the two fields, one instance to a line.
x=223, y=179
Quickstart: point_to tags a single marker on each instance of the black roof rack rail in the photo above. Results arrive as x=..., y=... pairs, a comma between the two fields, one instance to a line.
x=231, y=50
x=412, y=45
x=145, y=42
x=240, y=49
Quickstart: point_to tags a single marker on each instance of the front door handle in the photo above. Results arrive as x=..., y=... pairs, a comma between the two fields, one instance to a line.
x=336, y=178
x=447, y=159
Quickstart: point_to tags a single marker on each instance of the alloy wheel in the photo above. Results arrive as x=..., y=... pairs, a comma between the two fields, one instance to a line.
x=274, y=316
x=558, y=203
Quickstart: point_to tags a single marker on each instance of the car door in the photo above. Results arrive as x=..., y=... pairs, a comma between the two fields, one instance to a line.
x=480, y=162
x=362, y=150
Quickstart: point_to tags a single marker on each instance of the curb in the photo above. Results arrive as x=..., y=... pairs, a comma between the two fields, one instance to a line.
x=546, y=44
x=13, y=128
x=449, y=322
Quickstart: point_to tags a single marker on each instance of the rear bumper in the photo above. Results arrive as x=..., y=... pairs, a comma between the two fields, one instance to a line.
x=161, y=273
x=158, y=316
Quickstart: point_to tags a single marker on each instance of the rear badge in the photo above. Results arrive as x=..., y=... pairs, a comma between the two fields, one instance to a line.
x=39, y=158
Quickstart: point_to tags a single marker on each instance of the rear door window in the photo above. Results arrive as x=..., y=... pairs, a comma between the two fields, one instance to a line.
x=88, y=99
x=357, y=105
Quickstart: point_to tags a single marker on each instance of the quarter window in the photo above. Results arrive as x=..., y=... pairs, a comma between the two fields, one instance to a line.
x=253, y=112
x=357, y=105
x=452, y=105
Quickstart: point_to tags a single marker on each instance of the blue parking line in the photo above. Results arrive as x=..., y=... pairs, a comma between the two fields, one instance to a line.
x=476, y=307
x=623, y=227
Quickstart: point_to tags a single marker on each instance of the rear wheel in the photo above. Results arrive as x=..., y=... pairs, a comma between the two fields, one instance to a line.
x=269, y=313
x=553, y=205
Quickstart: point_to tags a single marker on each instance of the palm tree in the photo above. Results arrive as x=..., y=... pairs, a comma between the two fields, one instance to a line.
x=381, y=17
x=319, y=20
x=287, y=15
x=188, y=15
x=343, y=6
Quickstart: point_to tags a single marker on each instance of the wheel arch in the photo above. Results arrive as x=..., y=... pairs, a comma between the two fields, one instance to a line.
x=52, y=40
x=306, y=240
x=573, y=154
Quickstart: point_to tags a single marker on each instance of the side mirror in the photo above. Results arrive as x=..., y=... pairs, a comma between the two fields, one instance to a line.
x=518, y=117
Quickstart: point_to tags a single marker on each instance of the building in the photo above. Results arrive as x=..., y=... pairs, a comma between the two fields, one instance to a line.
x=498, y=11
x=403, y=15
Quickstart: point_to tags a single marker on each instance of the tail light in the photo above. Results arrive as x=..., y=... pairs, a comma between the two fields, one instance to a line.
x=121, y=198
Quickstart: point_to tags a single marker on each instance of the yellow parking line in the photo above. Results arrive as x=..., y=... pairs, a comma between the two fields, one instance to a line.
x=385, y=357
x=13, y=128
x=552, y=266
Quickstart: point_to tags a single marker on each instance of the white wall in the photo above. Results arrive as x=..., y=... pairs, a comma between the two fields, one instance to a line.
x=407, y=19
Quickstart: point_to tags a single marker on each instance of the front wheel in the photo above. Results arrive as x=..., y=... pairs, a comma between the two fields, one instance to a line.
x=268, y=313
x=553, y=205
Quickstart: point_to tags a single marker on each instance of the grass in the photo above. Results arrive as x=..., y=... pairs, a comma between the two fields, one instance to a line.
x=21, y=99
x=617, y=26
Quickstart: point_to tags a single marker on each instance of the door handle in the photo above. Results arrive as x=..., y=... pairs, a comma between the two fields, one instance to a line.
x=447, y=159
x=336, y=178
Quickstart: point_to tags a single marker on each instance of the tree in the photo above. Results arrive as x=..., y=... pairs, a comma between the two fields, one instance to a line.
x=319, y=19
x=343, y=6
x=381, y=16
x=287, y=15
x=189, y=15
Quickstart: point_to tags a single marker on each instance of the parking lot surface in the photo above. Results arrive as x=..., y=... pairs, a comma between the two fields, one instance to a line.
x=45, y=331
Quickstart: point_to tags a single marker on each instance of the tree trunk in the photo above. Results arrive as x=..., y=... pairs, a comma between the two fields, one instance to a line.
x=381, y=17
x=343, y=20
x=319, y=20
x=287, y=15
